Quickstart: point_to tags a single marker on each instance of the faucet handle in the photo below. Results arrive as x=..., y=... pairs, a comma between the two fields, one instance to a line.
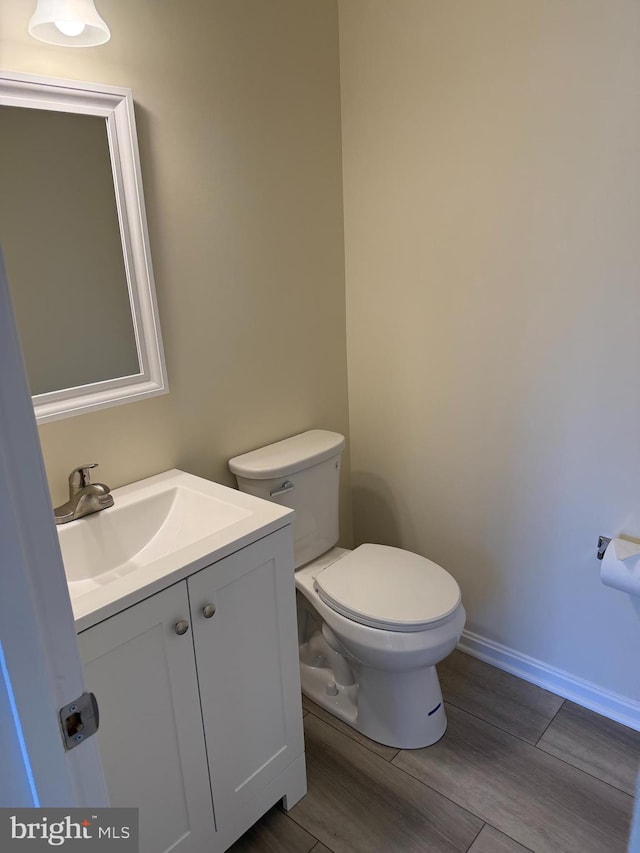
x=80, y=477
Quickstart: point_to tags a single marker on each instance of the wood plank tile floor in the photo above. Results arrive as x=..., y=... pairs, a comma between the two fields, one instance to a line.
x=518, y=769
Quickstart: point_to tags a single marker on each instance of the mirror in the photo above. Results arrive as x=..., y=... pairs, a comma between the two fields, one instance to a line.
x=74, y=236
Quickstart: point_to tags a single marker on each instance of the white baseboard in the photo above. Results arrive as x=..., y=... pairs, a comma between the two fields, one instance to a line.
x=582, y=692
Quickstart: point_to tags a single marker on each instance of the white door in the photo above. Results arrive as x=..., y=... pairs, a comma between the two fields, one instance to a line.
x=151, y=736
x=40, y=667
x=247, y=660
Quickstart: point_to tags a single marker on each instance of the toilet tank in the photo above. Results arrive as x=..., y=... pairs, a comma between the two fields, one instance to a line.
x=303, y=473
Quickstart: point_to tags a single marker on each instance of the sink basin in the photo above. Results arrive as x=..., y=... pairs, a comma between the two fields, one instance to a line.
x=101, y=547
x=159, y=530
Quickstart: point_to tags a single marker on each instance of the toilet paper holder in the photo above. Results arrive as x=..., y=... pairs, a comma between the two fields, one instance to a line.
x=603, y=542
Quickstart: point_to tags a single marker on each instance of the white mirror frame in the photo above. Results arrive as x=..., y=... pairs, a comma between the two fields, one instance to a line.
x=115, y=105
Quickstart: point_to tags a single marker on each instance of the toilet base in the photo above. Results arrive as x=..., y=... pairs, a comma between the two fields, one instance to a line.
x=398, y=709
x=318, y=684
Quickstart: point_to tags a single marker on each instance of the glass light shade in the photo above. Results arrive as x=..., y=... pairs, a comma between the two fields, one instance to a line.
x=53, y=17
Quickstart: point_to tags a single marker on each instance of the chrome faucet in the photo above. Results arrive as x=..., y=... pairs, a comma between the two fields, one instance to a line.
x=85, y=497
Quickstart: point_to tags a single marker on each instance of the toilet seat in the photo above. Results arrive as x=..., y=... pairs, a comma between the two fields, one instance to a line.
x=388, y=588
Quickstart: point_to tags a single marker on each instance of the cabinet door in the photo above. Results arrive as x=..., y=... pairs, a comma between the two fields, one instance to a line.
x=247, y=659
x=150, y=736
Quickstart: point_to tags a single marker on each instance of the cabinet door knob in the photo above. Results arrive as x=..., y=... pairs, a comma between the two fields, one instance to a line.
x=182, y=627
x=208, y=610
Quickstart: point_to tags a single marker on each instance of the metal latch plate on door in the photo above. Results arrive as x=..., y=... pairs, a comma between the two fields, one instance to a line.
x=79, y=720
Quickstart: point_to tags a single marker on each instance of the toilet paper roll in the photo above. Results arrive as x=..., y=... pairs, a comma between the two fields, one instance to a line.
x=621, y=566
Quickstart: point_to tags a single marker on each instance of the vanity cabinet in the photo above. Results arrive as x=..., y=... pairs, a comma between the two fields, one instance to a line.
x=199, y=695
x=151, y=737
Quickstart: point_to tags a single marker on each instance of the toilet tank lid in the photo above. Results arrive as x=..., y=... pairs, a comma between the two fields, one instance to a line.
x=288, y=456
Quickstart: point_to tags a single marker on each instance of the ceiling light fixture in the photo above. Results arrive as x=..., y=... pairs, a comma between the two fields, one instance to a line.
x=71, y=23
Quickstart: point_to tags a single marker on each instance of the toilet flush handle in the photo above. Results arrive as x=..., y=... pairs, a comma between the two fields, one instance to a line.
x=287, y=486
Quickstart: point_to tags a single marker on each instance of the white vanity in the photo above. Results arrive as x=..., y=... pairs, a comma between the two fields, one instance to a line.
x=184, y=599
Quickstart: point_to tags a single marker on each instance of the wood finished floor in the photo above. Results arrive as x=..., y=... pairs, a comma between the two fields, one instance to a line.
x=519, y=769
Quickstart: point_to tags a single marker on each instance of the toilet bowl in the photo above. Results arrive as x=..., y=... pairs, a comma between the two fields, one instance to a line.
x=386, y=684
x=372, y=622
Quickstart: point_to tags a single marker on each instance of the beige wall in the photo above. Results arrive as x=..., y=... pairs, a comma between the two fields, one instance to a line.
x=238, y=113
x=492, y=211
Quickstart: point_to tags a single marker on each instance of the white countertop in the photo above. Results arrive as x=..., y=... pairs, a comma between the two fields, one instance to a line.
x=186, y=535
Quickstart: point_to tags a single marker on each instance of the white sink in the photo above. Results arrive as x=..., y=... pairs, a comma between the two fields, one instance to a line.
x=158, y=531
x=101, y=547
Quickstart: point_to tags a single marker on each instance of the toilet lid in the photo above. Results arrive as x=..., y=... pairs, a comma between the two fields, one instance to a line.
x=388, y=588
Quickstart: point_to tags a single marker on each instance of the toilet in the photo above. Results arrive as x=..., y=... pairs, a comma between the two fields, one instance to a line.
x=372, y=622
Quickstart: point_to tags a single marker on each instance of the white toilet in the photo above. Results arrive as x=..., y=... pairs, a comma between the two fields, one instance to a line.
x=372, y=622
